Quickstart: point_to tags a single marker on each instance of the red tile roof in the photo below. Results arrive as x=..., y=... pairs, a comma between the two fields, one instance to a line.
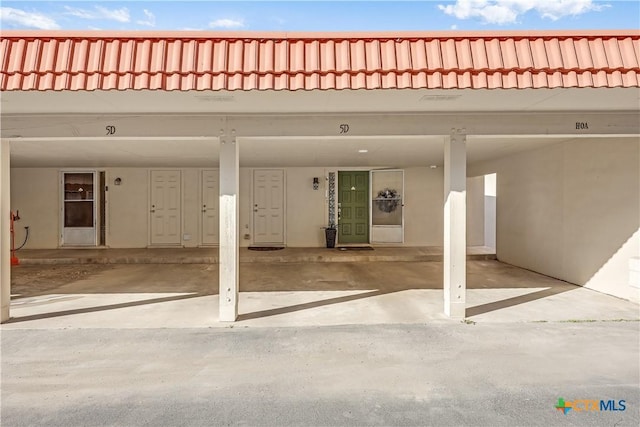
x=36, y=60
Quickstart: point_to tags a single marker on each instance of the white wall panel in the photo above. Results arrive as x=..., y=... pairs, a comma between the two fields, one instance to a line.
x=36, y=194
x=35, y=191
x=571, y=211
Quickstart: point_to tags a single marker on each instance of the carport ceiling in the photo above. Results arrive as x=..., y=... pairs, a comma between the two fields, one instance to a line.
x=283, y=152
x=261, y=152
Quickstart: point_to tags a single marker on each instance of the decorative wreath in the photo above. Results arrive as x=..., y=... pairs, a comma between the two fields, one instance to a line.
x=387, y=200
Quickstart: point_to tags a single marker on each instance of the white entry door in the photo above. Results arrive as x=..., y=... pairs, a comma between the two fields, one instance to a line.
x=79, y=208
x=268, y=206
x=165, y=207
x=210, y=202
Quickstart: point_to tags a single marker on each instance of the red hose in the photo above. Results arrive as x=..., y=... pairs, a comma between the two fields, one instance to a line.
x=14, y=258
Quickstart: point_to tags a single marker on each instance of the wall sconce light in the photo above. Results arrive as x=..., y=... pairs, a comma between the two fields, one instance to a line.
x=117, y=181
x=316, y=183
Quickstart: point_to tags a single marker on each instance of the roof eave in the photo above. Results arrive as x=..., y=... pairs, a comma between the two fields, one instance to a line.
x=280, y=35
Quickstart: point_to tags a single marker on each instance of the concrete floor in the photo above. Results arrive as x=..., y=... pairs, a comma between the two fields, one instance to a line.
x=292, y=294
x=111, y=344
x=492, y=374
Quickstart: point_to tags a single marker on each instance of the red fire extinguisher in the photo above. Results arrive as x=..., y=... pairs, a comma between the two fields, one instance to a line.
x=14, y=259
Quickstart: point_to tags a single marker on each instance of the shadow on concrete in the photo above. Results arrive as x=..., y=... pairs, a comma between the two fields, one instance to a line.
x=101, y=308
x=37, y=280
x=308, y=305
x=470, y=311
x=485, y=275
x=513, y=301
x=374, y=279
x=501, y=275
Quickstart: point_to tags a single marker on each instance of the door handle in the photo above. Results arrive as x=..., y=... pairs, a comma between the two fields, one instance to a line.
x=204, y=208
x=153, y=208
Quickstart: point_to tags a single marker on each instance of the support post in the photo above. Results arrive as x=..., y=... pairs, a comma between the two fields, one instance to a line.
x=5, y=238
x=455, y=224
x=229, y=252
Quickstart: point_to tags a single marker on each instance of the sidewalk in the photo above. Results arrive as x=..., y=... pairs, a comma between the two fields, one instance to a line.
x=210, y=255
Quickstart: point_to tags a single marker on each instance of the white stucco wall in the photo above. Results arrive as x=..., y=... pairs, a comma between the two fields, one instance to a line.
x=571, y=211
x=306, y=207
x=490, y=210
x=475, y=211
x=128, y=208
x=423, y=211
x=36, y=192
x=246, y=209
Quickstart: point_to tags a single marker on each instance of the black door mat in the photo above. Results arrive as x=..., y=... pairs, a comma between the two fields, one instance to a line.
x=355, y=248
x=265, y=248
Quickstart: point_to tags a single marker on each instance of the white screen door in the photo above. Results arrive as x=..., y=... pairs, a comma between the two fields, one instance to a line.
x=79, y=208
x=210, y=202
x=165, y=207
x=268, y=206
x=387, y=206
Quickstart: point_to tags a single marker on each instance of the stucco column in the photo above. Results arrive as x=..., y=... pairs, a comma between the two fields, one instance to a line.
x=229, y=252
x=5, y=238
x=455, y=224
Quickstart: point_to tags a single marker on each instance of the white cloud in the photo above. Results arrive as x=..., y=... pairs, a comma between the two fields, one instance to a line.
x=454, y=27
x=79, y=13
x=558, y=9
x=22, y=18
x=509, y=11
x=227, y=23
x=99, y=12
x=150, y=21
x=120, y=15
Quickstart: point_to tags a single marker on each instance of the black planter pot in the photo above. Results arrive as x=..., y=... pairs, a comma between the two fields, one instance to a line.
x=330, y=235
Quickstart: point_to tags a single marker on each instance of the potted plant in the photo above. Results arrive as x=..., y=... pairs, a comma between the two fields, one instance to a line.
x=330, y=235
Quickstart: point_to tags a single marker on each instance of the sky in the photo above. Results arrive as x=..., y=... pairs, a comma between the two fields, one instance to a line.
x=436, y=15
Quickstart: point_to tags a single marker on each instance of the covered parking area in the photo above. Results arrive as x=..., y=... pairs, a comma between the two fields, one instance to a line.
x=562, y=138
x=289, y=290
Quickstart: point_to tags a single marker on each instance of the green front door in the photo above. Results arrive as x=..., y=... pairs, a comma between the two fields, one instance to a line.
x=353, y=202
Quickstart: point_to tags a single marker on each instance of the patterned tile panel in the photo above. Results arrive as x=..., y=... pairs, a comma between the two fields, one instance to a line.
x=332, y=198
